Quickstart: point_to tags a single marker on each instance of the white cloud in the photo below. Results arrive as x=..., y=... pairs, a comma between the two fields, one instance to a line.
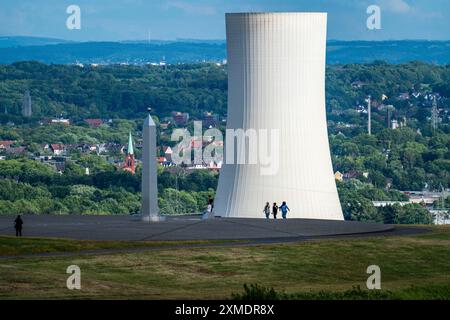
x=403, y=7
x=398, y=6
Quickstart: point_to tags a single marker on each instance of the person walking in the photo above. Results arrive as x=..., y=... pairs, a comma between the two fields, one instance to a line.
x=18, y=223
x=284, y=209
x=211, y=202
x=266, y=210
x=274, y=210
x=207, y=214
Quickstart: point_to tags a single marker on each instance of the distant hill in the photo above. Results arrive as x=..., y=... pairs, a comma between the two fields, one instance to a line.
x=116, y=52
x=13, y=49
x=22, y=41
x=390, y=51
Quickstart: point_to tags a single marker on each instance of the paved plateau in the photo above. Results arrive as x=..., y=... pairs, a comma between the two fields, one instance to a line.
x=250, y=231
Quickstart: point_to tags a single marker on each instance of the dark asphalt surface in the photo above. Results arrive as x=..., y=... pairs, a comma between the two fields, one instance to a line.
x=182, y=228
x=251, y=231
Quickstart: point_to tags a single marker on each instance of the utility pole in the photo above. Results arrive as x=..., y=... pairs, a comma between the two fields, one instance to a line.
x=369, y=116
x=388, y=120
x=434, y=114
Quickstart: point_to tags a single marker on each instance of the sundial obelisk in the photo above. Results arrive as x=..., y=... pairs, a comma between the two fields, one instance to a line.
x=149, y=202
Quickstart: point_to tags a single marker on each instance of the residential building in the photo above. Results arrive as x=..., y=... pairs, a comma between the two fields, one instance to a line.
x=180, y=118
x=210, y=119
x=57, y=149
x=94, y=123
x=338, y=176
x=6, y=144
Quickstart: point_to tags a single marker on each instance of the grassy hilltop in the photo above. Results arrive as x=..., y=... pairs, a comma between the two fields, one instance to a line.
x=413, y=266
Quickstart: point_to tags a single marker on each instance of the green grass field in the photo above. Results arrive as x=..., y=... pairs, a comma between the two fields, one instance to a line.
x=412, y=267
x=12, y=246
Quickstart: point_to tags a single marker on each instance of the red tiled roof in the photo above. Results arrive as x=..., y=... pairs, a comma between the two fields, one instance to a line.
x=57, y=146
x=6, y=143
x=94, y=122
x=166, y=149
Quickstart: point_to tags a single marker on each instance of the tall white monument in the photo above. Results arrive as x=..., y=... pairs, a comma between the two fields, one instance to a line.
x=149, y=202
x=276, y=80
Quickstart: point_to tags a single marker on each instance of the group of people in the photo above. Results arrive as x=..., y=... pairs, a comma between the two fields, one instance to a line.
x=267, y=209
x=275, y=208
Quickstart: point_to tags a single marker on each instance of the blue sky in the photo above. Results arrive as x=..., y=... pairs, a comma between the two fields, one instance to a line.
x=204, y=19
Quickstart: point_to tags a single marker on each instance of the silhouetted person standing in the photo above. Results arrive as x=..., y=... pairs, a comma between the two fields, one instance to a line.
x=274, y=210
x=284, y=209
x=267, y=210
x=18, y=223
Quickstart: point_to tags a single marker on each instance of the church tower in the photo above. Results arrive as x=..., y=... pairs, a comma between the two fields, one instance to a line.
x=130, y=163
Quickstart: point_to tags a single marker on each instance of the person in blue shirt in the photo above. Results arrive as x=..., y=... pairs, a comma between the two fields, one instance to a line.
x=284, y=209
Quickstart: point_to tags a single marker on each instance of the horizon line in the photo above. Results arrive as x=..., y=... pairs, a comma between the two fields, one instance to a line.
x=204, y=40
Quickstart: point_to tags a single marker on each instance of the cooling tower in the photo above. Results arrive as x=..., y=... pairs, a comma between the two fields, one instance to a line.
x=276, y=81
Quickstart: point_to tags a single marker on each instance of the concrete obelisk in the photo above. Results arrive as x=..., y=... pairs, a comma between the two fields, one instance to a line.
x=149, y=202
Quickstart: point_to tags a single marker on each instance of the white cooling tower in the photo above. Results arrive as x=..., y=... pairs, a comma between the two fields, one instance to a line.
x=276, y=80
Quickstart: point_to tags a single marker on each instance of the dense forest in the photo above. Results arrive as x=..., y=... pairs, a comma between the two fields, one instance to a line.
x=27, y=186
x=120, y=91
x=415, y=155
